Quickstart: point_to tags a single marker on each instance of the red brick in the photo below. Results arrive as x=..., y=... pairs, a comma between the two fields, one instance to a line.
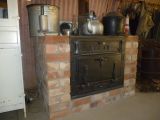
x=128, y=44
x=128, y=58
x=65, y=98
x=82, y=101
x=53, y=66
x=56, y=92
x=67, y=89
x=97, y=97
x=58, y=57
x=126, y=83
x=97, y=103
x=50, y=39
x=129, y=76
x=94, y=104
x=54, y=100
x=65, y=66
x=127, y=69
x=134, y=58
x=135, y=44
x=52, y=75
x=53, y=84
x=58, y=74
x=131, y=64
x=53, y=48
x=59, y=91
x=131, y=51
x=131, y=38
x=59, y=99
x=67, y=74
x=63, y=74
x=127, y=62
x=85, y=106
x=133, y=69
x=76, y=109
x=115, y=92
x=130, y=68
x=129, y=88
x=64, y=82
x=59, y=107
x=132, y=82
x=59, y=114
x=64, y=48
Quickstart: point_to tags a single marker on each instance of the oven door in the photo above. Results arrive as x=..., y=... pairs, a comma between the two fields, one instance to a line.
x=96, y=73
x=97, y=68
x=88, y=69
x=112, y=69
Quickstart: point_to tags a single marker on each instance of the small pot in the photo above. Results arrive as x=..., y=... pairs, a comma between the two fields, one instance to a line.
x=67, y=32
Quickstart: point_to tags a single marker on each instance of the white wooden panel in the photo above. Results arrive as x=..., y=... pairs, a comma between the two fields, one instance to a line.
x=6, y=28
x=11, y=81
x=8, y=37
x=13, y=16
x=9, y=22
x=12, y=9
x=11, y=107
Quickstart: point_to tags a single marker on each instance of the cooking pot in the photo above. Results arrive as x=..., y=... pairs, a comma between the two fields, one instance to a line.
x=113, y=24
x=66, y=28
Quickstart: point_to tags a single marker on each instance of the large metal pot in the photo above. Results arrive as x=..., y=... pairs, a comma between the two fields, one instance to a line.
x=113, y=24
x=43, y=19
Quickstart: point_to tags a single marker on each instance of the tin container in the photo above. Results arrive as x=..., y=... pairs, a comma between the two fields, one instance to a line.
x=36, y=19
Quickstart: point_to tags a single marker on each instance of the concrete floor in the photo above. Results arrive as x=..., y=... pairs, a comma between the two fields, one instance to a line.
x=35, y=111
x=142, y=106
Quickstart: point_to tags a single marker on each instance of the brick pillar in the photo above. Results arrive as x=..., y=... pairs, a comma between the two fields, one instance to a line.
x=57, y=55
x=131, y=51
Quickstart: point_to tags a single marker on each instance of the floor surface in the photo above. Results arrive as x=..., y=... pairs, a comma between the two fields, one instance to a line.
x=142, y=106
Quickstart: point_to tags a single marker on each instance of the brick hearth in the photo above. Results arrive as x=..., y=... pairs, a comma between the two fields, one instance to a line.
x=53, y=72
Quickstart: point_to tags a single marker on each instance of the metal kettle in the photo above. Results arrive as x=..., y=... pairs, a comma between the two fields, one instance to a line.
x=92, y=26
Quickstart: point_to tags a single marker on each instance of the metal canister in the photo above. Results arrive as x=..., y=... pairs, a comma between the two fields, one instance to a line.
x=49, y=11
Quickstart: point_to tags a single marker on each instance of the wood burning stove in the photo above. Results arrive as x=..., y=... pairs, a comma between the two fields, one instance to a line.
x=97, y=64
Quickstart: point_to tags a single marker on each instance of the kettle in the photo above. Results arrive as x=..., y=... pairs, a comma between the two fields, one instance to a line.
x=92, y=25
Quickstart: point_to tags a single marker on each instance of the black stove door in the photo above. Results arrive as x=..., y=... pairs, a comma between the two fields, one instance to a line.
x=88, y=69
x=98, y=68
x=112, y=69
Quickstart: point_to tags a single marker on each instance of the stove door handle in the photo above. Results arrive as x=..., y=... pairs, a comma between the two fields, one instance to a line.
x=76, y=47
x=101, y=59
x=97, y=59
x=114, y=71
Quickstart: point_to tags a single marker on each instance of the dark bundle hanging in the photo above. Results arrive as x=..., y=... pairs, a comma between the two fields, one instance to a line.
x=154, y=33
x=133, y=10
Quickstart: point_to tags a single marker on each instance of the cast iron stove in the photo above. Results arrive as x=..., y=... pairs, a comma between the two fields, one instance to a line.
x=97, y=64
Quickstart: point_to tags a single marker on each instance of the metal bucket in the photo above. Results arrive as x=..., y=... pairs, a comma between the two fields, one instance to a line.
x=34, y=13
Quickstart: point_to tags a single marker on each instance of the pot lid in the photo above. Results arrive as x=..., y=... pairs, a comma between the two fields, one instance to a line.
x=118, y=14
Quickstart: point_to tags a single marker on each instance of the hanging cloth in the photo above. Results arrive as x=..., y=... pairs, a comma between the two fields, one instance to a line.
x=145, y=23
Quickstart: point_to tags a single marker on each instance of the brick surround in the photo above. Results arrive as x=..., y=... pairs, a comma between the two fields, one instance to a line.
x=53, y=72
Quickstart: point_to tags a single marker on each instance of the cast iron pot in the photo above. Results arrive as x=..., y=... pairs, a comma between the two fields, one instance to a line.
x=113, y=24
